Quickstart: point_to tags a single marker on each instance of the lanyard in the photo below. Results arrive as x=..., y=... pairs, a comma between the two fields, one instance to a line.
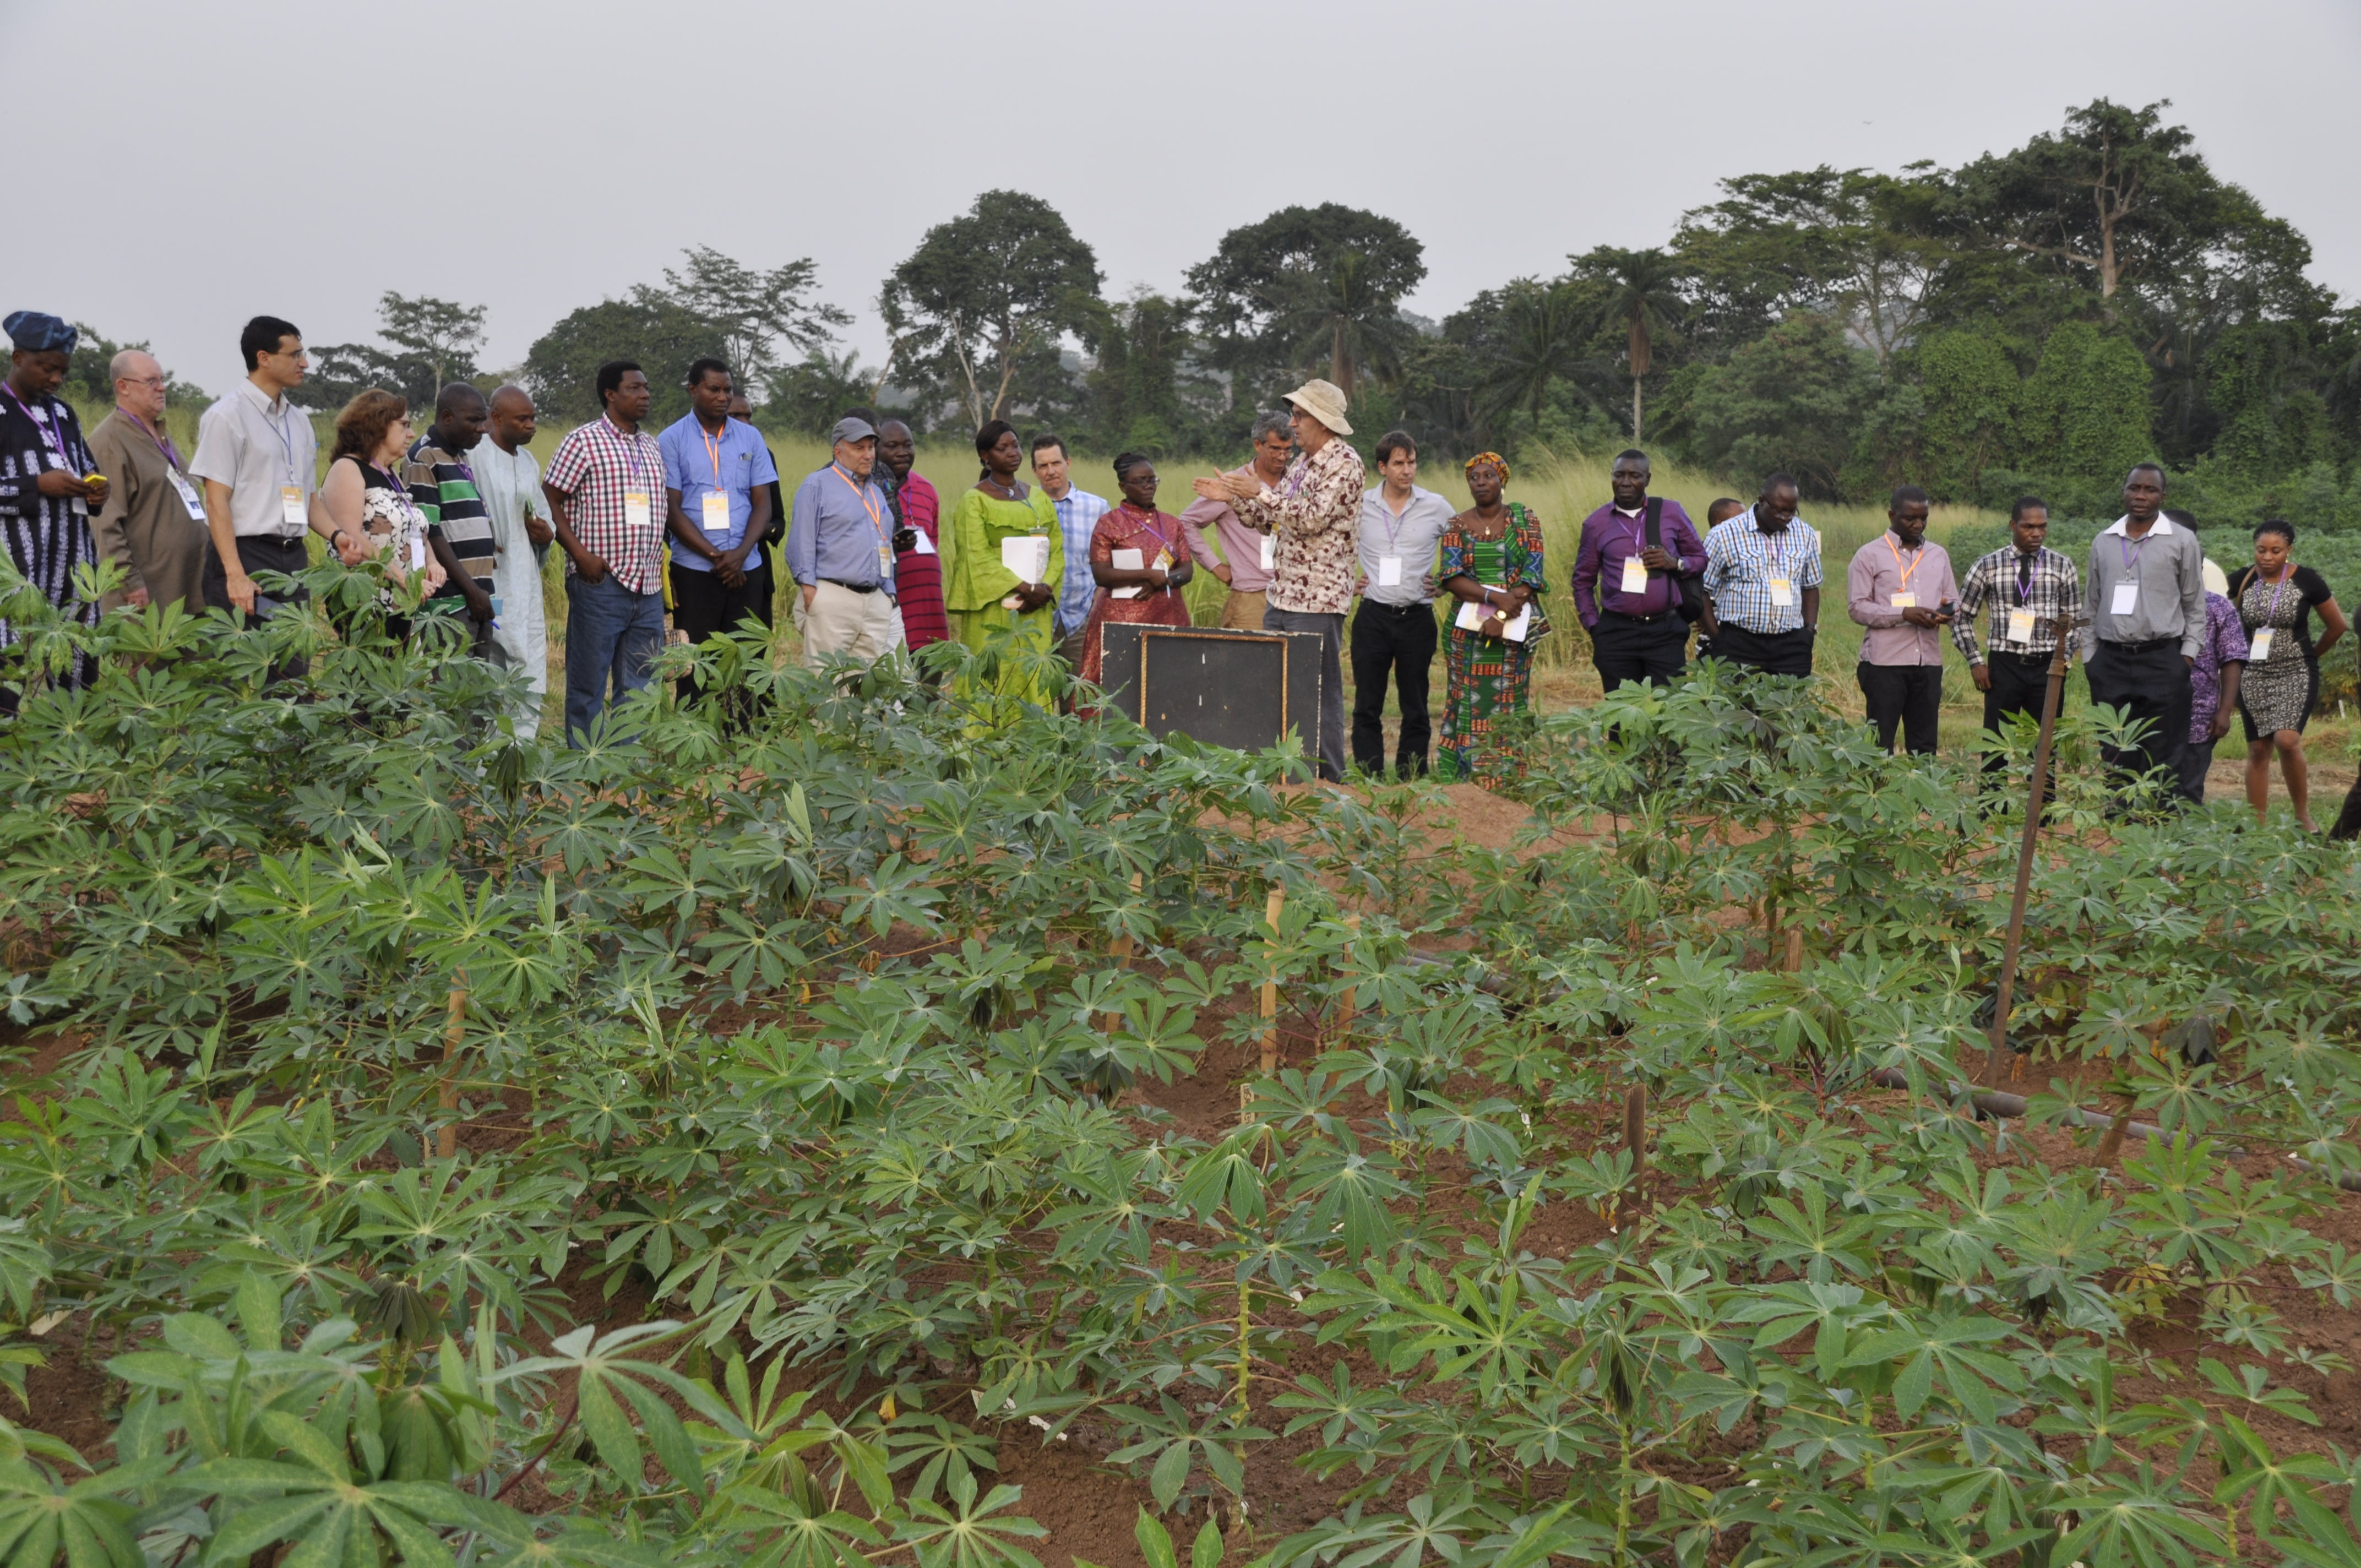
x=1394, y=521
x=2131, y=549
x=1774, y=545
x=286, y=443
x=2025, y=577
x=2285, y=572
x=162, y=445
x=861, y=494
x=631, y=452
x=51, y=437
x=713, y=450
x=1895, y=551
x=1145, y=523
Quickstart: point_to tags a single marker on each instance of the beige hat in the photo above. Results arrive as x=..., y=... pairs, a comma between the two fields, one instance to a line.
x=1323, y=403
x=2216, y=581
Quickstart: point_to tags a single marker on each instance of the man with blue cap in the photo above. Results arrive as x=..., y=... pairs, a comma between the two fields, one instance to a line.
x=49, y=484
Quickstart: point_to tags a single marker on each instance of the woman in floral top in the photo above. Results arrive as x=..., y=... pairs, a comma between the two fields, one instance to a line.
x=1490, y=559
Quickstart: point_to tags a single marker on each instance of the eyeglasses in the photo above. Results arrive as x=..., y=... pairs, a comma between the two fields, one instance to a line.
x=146, y=380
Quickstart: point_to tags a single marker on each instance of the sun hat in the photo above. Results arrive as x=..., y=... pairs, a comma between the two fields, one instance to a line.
x=2216, y=581
x=1323, y=403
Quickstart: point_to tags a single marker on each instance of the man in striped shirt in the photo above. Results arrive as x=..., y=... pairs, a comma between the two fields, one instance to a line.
x=459, y=526
x=1762, y=585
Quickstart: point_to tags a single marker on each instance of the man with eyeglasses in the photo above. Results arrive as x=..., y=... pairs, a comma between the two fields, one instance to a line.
x=259, y=465
x=153, y=524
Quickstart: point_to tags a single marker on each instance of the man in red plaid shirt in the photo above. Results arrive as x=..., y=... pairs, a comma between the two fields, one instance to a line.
x=606, y=486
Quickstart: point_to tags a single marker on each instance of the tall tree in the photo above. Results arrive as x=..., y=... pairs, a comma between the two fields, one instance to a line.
x=1794, y=399
x=761, y=316
x=1643, y=297
x=651, y=327
x=2116, y=197
x=1848, y=242
x=986, y=298
x=1326, y=280
x=1540, y=335
x=441, y=334
x=1141, y=384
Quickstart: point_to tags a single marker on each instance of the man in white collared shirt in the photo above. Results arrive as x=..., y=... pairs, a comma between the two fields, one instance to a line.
x=1393, y=630
x=508, y=477
x=258, y=461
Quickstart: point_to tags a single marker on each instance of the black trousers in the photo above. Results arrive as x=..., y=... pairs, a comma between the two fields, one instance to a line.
x=1400, y=641
x=1908, y=697
x=2196, y=761
x=702, y=604
x=260, y=552
x=2020, y=681
x=1770, y=653
x=1634, y=648
x=2149, y=681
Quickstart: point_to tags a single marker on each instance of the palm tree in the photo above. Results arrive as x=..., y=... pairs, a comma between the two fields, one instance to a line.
x=1350, y=314
x=1543, y=330
x=1644, y=297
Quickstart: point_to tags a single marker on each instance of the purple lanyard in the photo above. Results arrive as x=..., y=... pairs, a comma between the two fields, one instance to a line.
x=2277, y=589
x=2024, y=565
x=631, y=454
x=162, y=445
x=1147, y=524
x=2131, y=552
x=51, y=437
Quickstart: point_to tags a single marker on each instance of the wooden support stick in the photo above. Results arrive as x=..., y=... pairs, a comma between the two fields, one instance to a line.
x=454, y=1038
x=1795, y=964
x=1346, y=1004
x=1270, y=987
x=1636, y=1142
x=1121, y=949
x=2010, y=951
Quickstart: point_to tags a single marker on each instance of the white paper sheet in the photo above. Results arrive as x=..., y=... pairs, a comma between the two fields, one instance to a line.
x=1129, y=561
x=1027, y=555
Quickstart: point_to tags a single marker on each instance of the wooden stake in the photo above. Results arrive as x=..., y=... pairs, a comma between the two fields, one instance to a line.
x=1795, y=964
x=455, y=1035
x=1998, y=1045
x=1270, y=987
x=1121, y=949
x=1346, y=1006
x=1635, y=1142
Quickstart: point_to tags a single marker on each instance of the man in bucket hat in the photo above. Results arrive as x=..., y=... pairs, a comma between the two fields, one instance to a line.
x=49, y=484
x=1313, y=515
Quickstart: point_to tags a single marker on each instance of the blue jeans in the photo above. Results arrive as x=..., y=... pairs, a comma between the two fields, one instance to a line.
x=613, y=635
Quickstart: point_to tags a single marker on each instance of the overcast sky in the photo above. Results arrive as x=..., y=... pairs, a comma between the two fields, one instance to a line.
x=191, y=165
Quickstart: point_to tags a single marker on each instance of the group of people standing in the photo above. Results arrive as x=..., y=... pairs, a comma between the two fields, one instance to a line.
x=461, y=516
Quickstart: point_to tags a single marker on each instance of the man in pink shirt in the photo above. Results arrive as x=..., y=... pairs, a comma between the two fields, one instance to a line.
x=1900, y=588
x=1244, y=562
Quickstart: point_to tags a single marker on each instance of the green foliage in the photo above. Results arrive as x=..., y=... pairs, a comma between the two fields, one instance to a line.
x=1972, y=393
x=809, y=1043
x=2084, y=409
x=1793, y=399
x=1307, y=290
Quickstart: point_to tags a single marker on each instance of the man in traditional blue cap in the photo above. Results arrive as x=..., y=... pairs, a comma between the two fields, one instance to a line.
x=49, y=482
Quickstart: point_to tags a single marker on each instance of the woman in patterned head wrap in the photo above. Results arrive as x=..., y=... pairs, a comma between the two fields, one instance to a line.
x=1491, y=562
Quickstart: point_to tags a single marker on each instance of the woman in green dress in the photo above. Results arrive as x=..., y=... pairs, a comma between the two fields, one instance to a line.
x=982, y=595
x=1490, y=559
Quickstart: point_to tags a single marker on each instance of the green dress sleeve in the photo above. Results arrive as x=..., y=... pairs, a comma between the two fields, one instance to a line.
x=976, y=580
x=1046, y=511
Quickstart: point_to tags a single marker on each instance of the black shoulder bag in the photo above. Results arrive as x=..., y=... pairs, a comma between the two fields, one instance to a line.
x=1690, y=599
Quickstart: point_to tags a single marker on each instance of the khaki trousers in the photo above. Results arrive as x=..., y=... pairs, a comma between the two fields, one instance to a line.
x=1243, y=612
x=839, y=622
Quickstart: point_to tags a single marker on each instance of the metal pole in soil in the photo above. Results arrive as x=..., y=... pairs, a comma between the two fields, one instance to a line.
x=1997, y=1052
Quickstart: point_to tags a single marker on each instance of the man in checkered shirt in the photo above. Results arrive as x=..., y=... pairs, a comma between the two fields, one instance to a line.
x=1763, y=585
x=607, y=486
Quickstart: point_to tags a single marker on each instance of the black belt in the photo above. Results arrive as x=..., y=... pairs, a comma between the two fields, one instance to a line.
x=1397, y=608
x=2043, y=657
x=1639, y=619
x=2150, y=646
x=856, y=588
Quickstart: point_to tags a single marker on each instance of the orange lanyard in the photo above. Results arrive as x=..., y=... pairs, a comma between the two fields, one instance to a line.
x=861, y=494
x=1896, y=552
x=713, y=451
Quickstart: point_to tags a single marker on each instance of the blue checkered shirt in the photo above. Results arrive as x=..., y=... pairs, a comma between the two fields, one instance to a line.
x=1078, y=517
x=1739, y=562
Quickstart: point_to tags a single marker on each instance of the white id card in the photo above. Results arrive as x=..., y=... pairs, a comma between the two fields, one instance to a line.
x=717, y=512
x=885, y=561
x=925, y=546
x=418, y=551
x=1635, y=574
x=637, y=513
x=291, y=507
x=2020, y=626
x=1783, y=592
x=1388, y=571
x=2259, y=646
x=188, y=498
x=1906, y=602
x=1269, y=553
x=2125, y=600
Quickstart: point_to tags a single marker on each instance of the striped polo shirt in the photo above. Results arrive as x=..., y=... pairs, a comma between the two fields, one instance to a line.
x=444, y=487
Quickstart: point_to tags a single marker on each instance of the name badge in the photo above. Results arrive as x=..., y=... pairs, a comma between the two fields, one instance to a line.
x=1635, y=574
x=1783, y=592
x=1906, y=602
x=188, y=493
x=291, y=507
x=717, y=512
x=418, y=551
x=885, y=561
x=2259, y=646
x=2125, y=600
x=1388, y=571
x=637, y=513
x=925, y=546
x=2020, y=626
x=1269, y=553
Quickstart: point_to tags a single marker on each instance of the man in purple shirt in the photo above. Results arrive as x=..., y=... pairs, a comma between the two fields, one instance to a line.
x=1636, y=629
x=1245, y=562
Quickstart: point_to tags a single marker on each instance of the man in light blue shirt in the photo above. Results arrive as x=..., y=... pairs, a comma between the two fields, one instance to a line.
x=1078, y=517
x=840, y=551
x=716, y=504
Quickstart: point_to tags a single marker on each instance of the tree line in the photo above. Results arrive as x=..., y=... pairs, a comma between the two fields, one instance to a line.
x=2037, y=318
